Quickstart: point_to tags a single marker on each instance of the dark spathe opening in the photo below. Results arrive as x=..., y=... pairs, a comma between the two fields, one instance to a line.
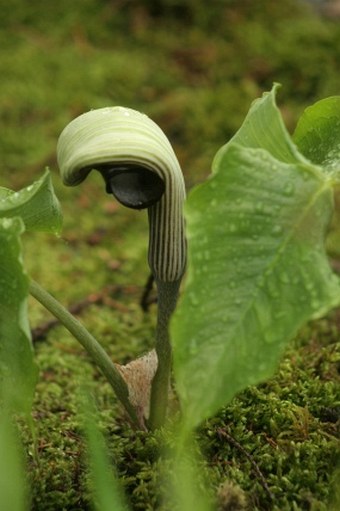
x=133, y=186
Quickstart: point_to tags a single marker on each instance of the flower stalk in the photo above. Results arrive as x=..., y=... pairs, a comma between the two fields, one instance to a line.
x=167, y=299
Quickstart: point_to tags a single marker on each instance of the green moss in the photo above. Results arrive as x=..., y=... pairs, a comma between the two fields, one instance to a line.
x=288, y=426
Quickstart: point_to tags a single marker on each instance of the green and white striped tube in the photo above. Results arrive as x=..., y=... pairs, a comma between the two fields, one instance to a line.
x=116, y=137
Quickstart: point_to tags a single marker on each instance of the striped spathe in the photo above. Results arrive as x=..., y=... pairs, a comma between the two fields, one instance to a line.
x=118, y=136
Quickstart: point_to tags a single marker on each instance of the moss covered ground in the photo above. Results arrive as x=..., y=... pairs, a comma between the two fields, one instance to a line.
x=194, y=69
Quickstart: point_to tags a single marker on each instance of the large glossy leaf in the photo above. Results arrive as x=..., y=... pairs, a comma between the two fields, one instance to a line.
x=264, y=128
x=257, y=271
x=17, y=369
x=37, y=205
x=318, y=134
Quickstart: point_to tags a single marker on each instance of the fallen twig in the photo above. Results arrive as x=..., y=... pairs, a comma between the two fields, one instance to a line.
x=223, y=434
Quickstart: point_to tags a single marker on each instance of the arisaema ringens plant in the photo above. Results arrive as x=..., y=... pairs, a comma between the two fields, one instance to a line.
x=257, y=266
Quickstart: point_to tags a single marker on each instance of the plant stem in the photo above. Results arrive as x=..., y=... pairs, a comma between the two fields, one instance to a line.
x=167, y=298
x=91, y=345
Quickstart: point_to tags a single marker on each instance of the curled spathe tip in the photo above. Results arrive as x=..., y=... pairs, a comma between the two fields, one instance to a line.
x=139, y=168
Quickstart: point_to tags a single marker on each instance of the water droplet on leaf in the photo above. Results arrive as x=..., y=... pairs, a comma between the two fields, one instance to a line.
x=277, y=230
x=288, y=190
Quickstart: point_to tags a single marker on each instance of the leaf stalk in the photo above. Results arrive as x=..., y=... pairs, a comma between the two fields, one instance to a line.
x=89, y=343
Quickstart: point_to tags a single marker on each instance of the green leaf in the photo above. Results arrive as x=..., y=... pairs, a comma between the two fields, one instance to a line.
x=318, y=134
x=257, y=271
x=264, y=128
x=17, y=370
x=13, y=484
x=36, y=204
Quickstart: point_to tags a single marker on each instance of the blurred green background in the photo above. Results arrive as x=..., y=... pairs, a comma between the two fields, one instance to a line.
x=194, y=66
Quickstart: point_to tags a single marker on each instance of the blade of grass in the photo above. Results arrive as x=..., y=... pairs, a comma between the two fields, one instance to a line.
x=106, y=491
